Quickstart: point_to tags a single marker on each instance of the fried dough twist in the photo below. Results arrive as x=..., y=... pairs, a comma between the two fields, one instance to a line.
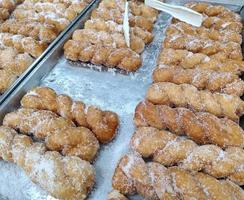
x=23, y=44
x=36, y=30
x=217, y=17
x=169, y=149
x=203, y=128
x=202, y=32
x=224, y=82
x=214, y=11
x=103, y=124
x=59, y=133
x=219, y=24
x=136, y=8
x=114, y=40
x=188, y=60
x=153, y=181
x=184, y=95
x=12, y=65
x=60, y=23
x=63, y=10
x=64, y=177
x=199, y=45
x=113, y=27
x=122, y=58
x=116, y=16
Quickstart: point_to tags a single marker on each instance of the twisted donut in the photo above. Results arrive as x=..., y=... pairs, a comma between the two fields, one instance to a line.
x=103, y=124
x=184, y=95
x=204, y=33
x=224, y=82
x=188, y=60
x=169, y=149
x=123, y=58
x=64, y=177
x=114, y=40
x=203, y=128
x=153, y=181
x=199, y=45
x=59, y=134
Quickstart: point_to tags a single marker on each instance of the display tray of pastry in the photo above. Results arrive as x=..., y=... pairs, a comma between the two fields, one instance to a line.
x=188, y=139
x=160, y=118
x=102, y=40
x=28, y=27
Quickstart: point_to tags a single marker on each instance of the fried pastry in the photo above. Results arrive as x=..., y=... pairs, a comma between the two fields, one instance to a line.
x=64, y=177
x=136, y=8
x=104, y=124
x=114, y=40
x=204, y=46
x=184, y=95
x=219, y=24
x=122, y=58
x=68, y=12
x=217, y=17
x=112, y=27
x=223, y=82
x=23, y=44
x=202, y=32
x=115, y=195
x=7, y=78
x=154, y=181
x=201, y=127
x=12, y=65
x=59, y=133
x=36, y=30
x=116, y=16
x=13, y=61
x=60, y=23
x=169, y=149
x=214, y=11
x=186, y=59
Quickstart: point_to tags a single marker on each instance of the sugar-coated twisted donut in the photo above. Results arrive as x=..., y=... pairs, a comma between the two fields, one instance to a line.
x=116, y=16
x=113, y=27
x=63, y=10
x=38, y=31
x=122, y=58
x=219, y=24
x=13, y=64
x=185, y=95
x=214, y=11
x=60, y=23
x=153, y=181
x=104, y=124
x=205, y=33
x=136, y=8
x=115, y=40
x=59, y=133
x=64, y=177
x=204, y=46
x=223, y=82
x=23, y=44
x=169, y=149
x=188, y=60
x=203, y=128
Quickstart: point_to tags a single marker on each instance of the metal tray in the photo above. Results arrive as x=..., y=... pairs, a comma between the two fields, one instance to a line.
x=37, y=61
x=96, y=85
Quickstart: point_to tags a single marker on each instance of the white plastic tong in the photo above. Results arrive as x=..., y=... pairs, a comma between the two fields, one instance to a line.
x=180, y=12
